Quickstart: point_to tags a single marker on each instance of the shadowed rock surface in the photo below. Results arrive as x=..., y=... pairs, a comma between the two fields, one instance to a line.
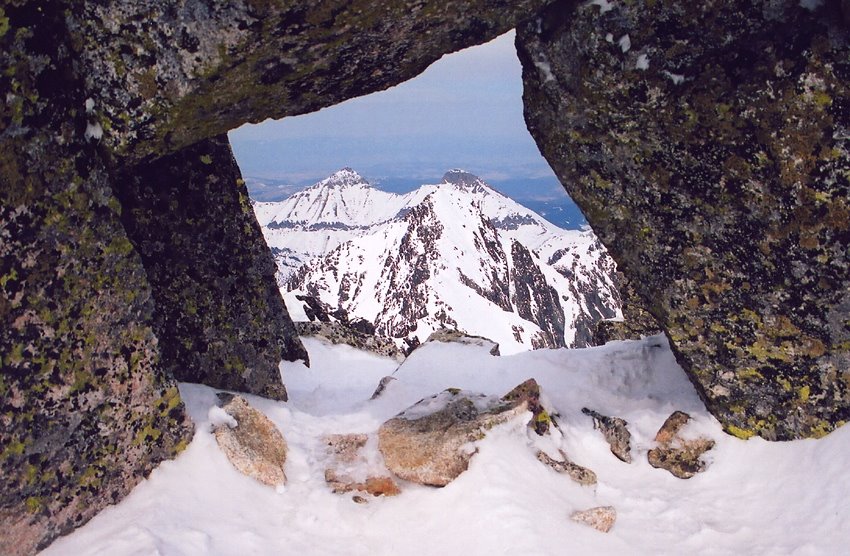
x=220, y=318
x=711, y=158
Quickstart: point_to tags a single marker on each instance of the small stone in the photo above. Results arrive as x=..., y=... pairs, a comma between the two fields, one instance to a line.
x=615, y=432
x=678, y=456
x=359, y=499
x=255, y=446
x=601, y=518
x=381, y=387
x=579, y=474
x=529, y=393
x=381, y=486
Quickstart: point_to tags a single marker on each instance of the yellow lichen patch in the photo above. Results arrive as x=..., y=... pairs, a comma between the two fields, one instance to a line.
x=803, y=393
x=749, y=373
x=743, y=434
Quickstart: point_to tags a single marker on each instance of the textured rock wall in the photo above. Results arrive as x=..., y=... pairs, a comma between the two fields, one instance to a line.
x=167, y=73
x=708, y=145
x=220, y=319
x=85, y=409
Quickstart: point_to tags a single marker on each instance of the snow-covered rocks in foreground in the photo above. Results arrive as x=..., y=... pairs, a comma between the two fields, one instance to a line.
x=755, y=497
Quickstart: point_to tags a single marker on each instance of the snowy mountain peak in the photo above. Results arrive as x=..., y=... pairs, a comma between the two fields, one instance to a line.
x=462, y=178
x=345, y=177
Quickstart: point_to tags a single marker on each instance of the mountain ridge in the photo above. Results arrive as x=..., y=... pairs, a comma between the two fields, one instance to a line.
x=455, y=254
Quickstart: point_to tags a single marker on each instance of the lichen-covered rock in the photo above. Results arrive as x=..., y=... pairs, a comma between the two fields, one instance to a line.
x=165, y=74
x=448, y=335
x=254, y=446
x=678, y=455
x=90, y=89
x=707, y=145
x=616, y=433
x=430, y=443
x=219, y=316
x=528, y=394
x=340, y=333
x=601, y=518
x=86, y=410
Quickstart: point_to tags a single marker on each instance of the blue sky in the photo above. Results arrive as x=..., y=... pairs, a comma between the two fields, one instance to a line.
x=464, y=111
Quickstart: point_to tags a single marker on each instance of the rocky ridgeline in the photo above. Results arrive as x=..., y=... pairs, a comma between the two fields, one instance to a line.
x=404, y=262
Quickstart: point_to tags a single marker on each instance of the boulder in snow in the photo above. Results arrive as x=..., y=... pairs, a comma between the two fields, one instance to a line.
x=254, y=446
x=430, y=443
x=581, y=475
x=615, y=432
x=679, y=456
x=601, y=518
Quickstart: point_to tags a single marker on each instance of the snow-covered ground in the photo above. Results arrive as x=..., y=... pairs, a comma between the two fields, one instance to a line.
x=755, y=498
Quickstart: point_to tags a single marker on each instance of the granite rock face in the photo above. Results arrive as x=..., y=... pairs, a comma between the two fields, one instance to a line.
x=708, y=146
x=94, y=95
x=165, y=74
x=86, y=410
x=220, y=319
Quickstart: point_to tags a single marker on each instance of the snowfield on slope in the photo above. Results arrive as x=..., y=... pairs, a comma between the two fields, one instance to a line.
x=756, y=497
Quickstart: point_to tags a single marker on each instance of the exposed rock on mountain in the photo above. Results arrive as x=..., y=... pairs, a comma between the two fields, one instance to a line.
x=601, y=518
x=579, y=474
x=707, y=145
x=616, y=433
x=455, y=255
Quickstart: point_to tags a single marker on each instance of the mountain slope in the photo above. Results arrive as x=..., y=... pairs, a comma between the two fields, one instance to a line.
x=452, y=255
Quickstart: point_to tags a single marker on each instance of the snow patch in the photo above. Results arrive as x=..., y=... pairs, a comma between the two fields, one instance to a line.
x=642, y=62
x=625, y=43
x=219, y=417
x=89, y=104
x=676, y=78
x=93, y=131
x=546, y=69
x=604, y=5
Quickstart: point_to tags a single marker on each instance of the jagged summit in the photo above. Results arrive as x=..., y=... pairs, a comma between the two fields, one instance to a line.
x=457, y=176
x=343, y=178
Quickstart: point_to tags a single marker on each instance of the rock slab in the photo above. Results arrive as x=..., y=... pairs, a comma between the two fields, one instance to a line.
x=431, y=442
x=254, y=446
x=616, y=433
